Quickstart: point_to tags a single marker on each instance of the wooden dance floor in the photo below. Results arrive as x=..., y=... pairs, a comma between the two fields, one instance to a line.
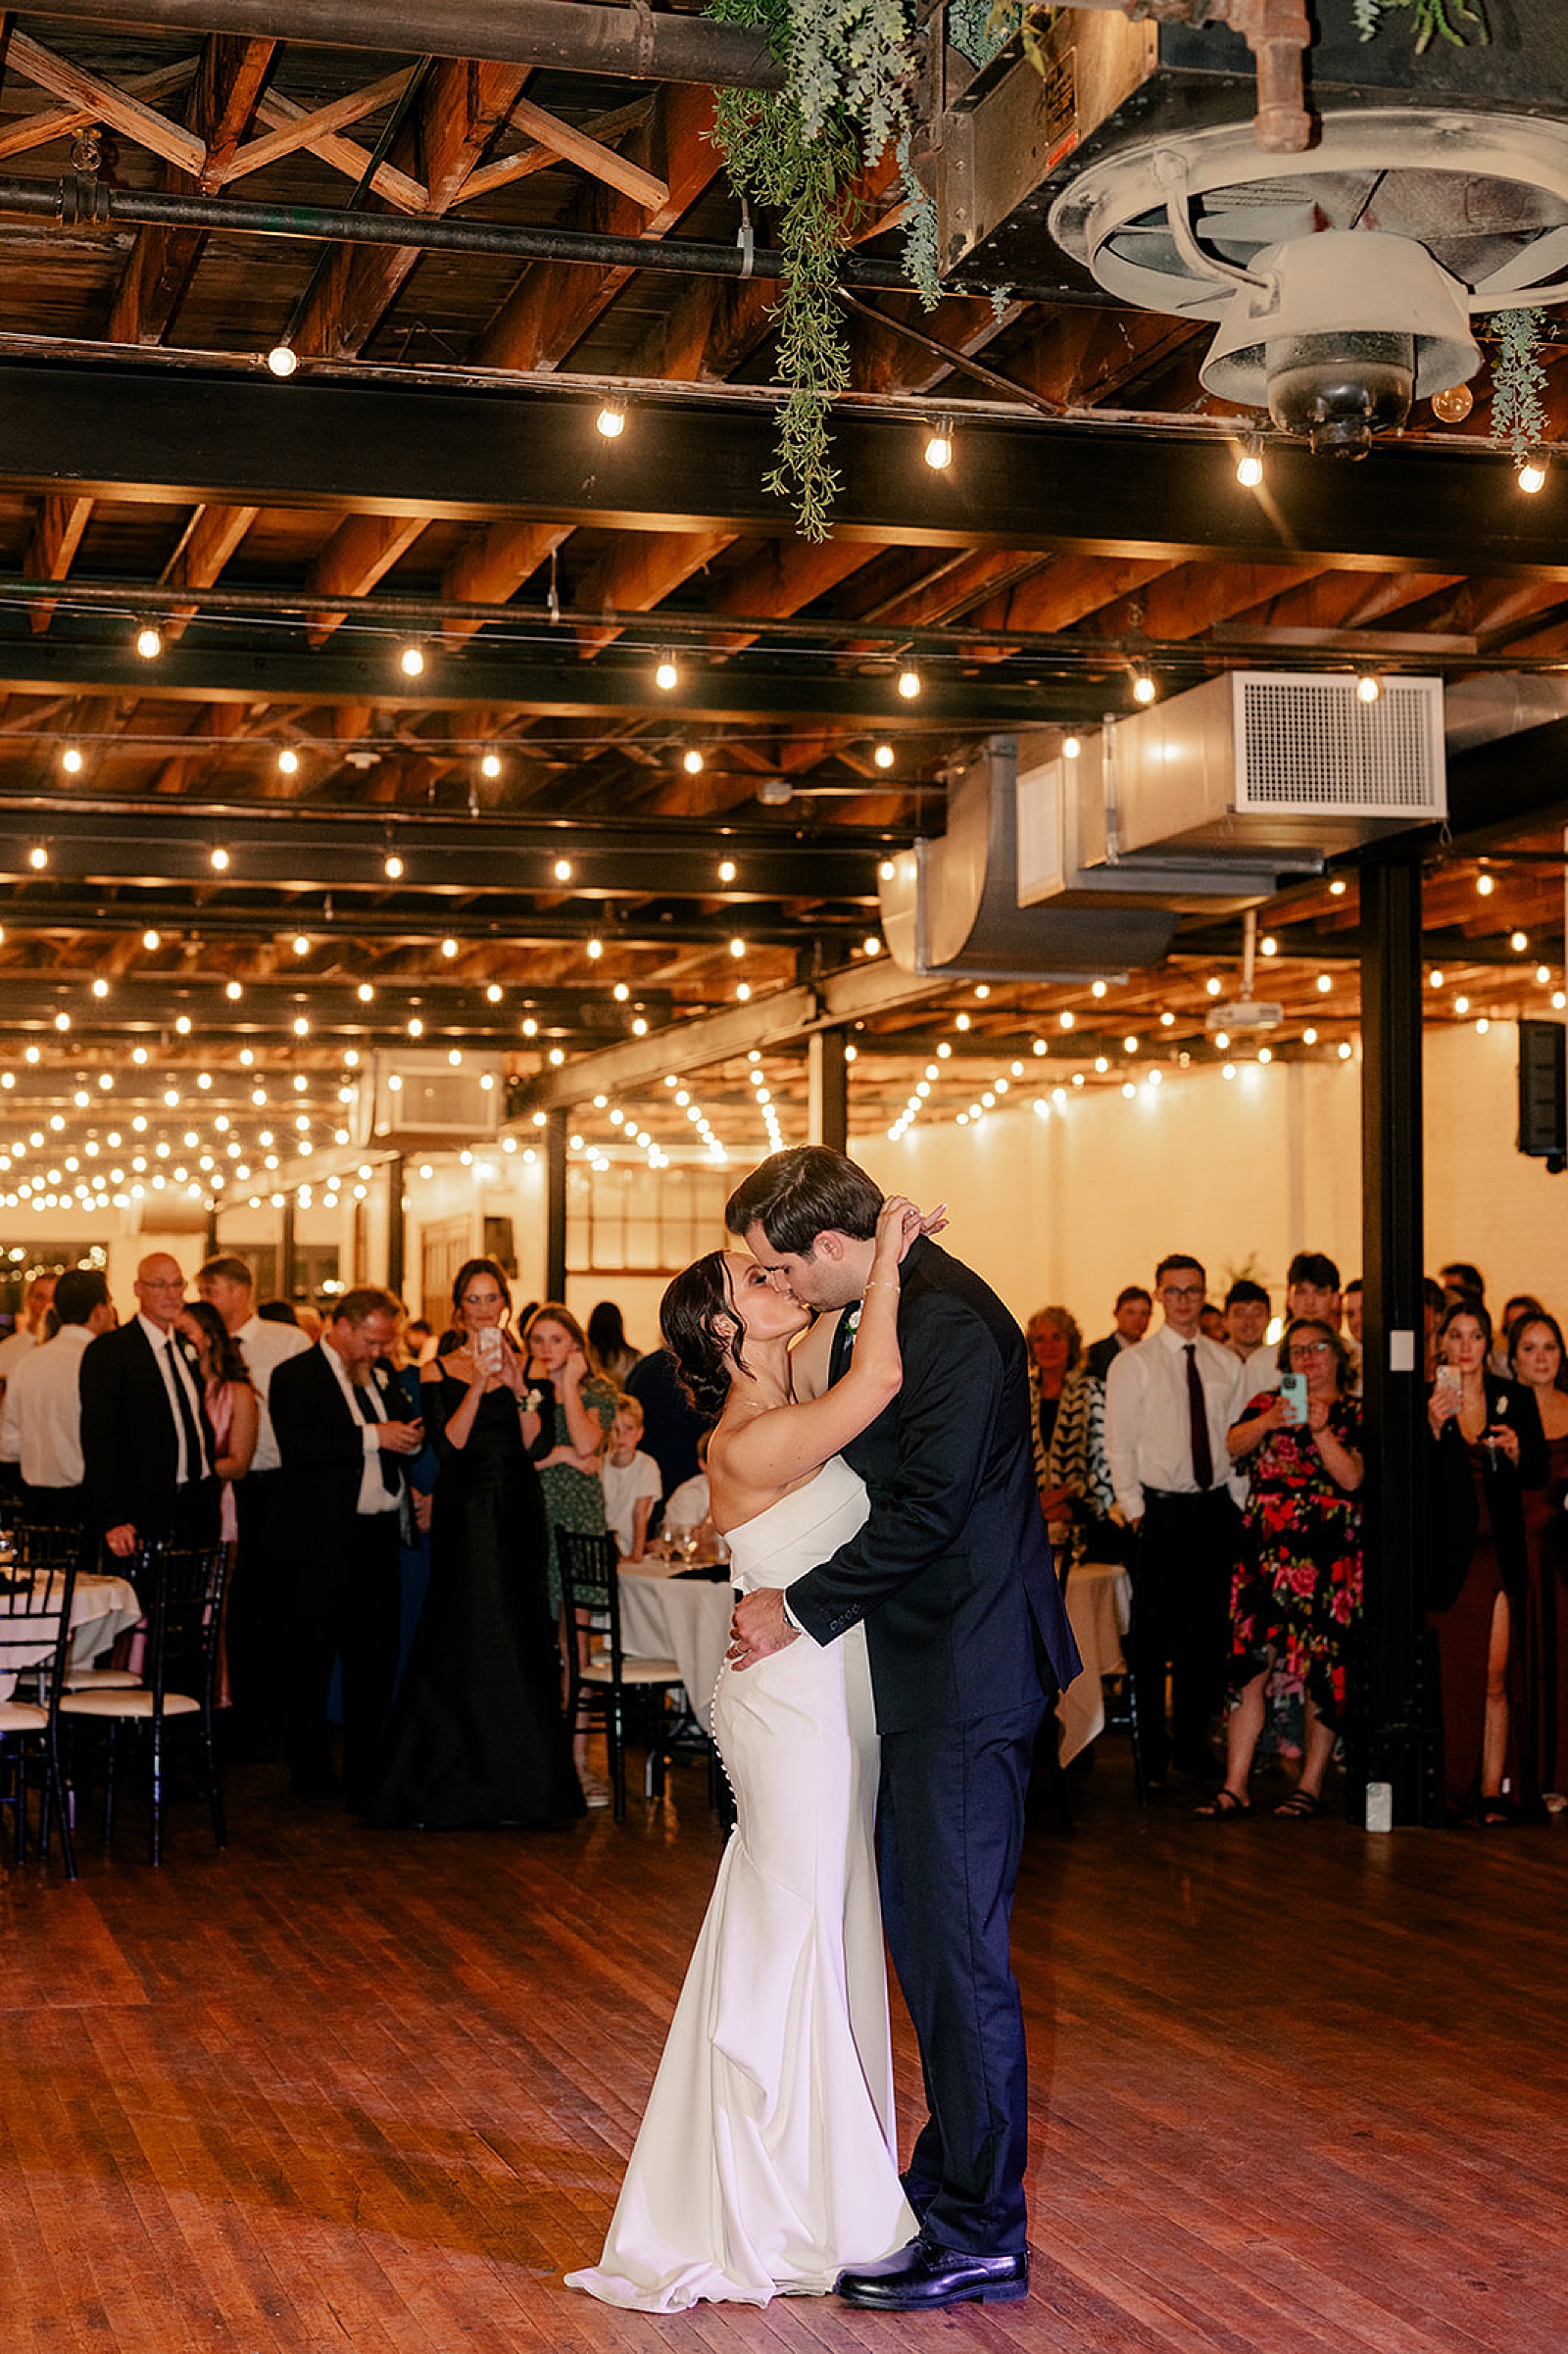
x=1293, y=2089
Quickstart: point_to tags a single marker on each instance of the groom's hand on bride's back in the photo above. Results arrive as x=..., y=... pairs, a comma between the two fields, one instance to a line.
x=759, y=1628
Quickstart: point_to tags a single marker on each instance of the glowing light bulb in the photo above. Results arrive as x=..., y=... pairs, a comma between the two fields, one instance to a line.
x=37, y=858
x=218, y=859
x=1143, y=688
x=692, y=762
x=611, y=420
x=908, y=682
x=282, y=360
x=410, y=662
x=70, y=761
x=667, y=676
x=562, y=870
x=490, y=765
x=1369, y=687
x=1249, y=465
x=1532, y=473
x=939, y=446
x=149, y=642
x=288, y=762
x=392, y=867
x=883, y=756
x=1071, y=748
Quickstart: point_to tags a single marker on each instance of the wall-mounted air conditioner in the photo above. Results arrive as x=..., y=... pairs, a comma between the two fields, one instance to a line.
x=420, y=1097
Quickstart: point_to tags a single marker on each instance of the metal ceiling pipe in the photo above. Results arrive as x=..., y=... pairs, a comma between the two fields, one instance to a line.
x=88, y=203
x=630, y=43
x=1483, y=710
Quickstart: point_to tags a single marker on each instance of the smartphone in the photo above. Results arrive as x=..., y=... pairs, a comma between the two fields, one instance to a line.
x=1450, y=1379
x=487, y=1347
x=1293, y=1388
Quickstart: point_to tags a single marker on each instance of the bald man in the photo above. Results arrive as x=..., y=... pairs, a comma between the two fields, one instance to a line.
x=145, y=1438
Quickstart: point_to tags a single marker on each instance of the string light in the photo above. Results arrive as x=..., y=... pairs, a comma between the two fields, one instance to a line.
x=392, y=866
x=883, y=756
x=562, y=870
x=1070, y=747
x=1531, y=473
x=282, y=360
x=1485, y=884
x=692, y=762
x=70, y=761
x=218, y=862
x=667, y=676
x=726, y=871
x=37, y=858
x=410, y=662
x=288, y=761
x=1249, y=464
x=1143, y=688
x=908, y=682
x=490, y=765
x=149, y=642
x=1369, y=687
x=302, y=946
x=939, y=444
x=611, y=420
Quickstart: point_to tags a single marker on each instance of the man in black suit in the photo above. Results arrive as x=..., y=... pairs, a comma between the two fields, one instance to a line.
x=146, y=1442
x=337, y=1412
x=967, y=1638
x=1133, y=1309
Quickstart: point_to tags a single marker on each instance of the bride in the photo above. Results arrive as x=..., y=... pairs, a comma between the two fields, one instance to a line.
x=767, y=2160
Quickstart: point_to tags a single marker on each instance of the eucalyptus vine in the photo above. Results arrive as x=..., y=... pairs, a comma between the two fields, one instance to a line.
x=1518, y=383
x=1455, y=21
x=797, y=153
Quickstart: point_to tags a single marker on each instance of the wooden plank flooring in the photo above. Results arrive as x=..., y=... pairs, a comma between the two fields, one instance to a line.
x=1295, y=2090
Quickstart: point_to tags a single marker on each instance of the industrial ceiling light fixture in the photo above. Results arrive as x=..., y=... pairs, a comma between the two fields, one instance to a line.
x=1343, y=279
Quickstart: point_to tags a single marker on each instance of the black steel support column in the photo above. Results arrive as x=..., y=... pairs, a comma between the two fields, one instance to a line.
x=1399, y=1748
x=396, y=1231
x=555, y=1202
x=827, y=1090
x=288, y=1267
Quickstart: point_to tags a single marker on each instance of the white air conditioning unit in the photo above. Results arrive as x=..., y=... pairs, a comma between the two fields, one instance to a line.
x=421, y=1097
x=1266, y=764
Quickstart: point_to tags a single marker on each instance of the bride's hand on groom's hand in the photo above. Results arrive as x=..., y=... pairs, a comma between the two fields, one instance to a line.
x=759, y=1628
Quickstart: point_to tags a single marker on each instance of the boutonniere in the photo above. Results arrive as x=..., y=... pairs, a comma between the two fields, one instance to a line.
x=852, y=1322
x=1501, y=1408
x=533, y=1400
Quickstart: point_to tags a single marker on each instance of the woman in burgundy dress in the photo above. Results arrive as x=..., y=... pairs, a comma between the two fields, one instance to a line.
x=1296, y=1597
x=1539, y=1360
x=1486, y=1450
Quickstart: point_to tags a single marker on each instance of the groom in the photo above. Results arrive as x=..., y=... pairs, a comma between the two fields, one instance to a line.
x=967, y=1636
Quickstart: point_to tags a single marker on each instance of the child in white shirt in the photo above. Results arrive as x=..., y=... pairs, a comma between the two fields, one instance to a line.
x=632, y=1485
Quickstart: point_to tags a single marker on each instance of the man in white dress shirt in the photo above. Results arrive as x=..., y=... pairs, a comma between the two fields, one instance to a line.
x=257, y=1591
x=40, y=1424
x=36, y=1302
x=1169, y=1403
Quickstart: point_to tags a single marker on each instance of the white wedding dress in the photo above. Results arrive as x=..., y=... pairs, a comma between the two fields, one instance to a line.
x=766, y=2159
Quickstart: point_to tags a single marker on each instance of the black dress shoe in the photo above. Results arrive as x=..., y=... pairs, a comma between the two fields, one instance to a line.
x=924, y=2277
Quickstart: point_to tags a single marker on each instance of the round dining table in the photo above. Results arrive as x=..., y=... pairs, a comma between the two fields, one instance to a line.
x=102, y=1609
x=663, y=1616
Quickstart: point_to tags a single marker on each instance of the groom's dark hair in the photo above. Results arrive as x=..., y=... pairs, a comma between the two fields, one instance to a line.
x=795, y=1196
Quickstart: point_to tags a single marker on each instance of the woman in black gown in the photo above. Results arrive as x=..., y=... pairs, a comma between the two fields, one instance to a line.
x=477, y=1732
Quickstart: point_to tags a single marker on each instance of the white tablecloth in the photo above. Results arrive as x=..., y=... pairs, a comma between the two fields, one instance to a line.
x=1098, y=1605
x=684, y=1619
x=101, y=1608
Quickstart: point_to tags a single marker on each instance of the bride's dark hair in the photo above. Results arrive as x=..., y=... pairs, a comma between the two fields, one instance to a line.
x=686, y=1313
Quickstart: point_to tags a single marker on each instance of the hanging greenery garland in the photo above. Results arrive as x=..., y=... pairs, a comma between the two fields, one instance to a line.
x=1518, y=383
x=798, y=154
x=1455, y=21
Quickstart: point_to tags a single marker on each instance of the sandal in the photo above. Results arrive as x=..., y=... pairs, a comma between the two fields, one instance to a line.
x=1300, y=1807
x=1224, y=1807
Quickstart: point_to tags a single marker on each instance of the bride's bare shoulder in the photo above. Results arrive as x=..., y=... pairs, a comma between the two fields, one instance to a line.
x=809, y=1358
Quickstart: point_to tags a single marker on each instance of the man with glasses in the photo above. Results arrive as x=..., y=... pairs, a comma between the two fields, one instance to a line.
x=1311, y=1289
x=145, y=1438
x=1169, y=1403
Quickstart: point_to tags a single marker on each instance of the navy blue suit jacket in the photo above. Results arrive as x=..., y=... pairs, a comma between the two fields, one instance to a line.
x=952, y=1572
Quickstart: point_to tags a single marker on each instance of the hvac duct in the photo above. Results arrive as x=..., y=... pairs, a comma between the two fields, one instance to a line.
x=952, y=906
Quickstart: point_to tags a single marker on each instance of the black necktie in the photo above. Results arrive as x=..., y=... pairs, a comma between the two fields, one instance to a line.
x=195, y=1452
x=1198, y=1416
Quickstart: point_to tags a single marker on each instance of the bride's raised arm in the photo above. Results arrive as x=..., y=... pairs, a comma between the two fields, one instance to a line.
x=772, y=1450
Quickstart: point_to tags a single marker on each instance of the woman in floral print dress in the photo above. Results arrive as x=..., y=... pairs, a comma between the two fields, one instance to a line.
x=1296, y=1597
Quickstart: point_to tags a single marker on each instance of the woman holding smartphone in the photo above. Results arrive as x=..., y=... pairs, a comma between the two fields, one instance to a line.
x=477, y=1732
x=1487, y=1448
x=1296, y=1597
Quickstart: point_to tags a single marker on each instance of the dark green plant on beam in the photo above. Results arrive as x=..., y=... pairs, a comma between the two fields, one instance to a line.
x=798, y=154
x=1458, y=22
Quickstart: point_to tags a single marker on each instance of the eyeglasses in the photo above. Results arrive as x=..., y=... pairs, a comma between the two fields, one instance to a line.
x=1311, y=1348
x=1182, y=1290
